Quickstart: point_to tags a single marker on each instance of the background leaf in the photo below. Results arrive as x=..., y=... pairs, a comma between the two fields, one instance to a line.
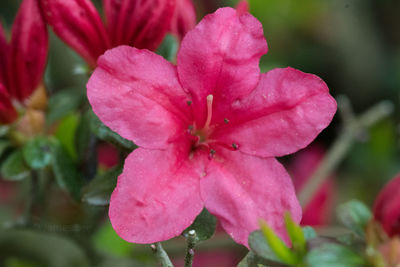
x=355, y=216
x=204, y=225
x=37, y=152
x=14, y=167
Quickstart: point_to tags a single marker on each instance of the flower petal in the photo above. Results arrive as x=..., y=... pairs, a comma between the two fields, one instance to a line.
x=4, y=50
x=283, y=114
x=157, y=195
x=137, y=94
x=184, y=18
x=7, y=112
x=241, y=189
x=220, y=56
x=79, y=25
x=139, y=23
x=29, y=46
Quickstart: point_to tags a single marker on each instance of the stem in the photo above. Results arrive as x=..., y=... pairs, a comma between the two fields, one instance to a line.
x=161, y=255
x=31, y=199
x=191, y=242
x=353, y=128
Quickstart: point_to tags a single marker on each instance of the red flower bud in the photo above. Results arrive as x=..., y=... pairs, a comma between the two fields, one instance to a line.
x=7, y=111
x=387, y=207
x=242, y=7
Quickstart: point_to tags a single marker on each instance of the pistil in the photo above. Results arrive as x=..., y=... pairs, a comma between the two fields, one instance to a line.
x=209, y=112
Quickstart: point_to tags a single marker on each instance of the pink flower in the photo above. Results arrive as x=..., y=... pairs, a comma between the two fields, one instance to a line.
x=318, y=211
x=208, y=130
x=138, y=23
x=242, y=7
x=387, y=207
x=184, y=18
x=22, y=62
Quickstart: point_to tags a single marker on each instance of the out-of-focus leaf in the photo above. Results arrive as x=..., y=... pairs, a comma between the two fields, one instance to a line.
x=98, y=191
x=204, y=225
x=83, y=134
x=107, y=241
x=119, y=262
x=309, y=233
x=296, y=235
x=4, y=144
x=4, y=130
x=168, y=47
x=253, y=260
x=65, y=171
x=65, y=133
x=278, y=246
x=355, y=216
x=334, y=255
x=260, y=247
x=37, y=152
x=15, y=262
x=64, y=102
x=44, y=249
x=14, y=167
x=106, y=134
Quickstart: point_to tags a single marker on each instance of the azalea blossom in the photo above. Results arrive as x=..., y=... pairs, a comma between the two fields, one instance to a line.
x=138, y=23
x=387, y=207
x=22, y=62
x=208, y=130
x=318, y=211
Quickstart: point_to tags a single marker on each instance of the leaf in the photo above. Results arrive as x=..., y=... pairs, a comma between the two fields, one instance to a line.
x=83, y=134
x=64, y=102
x=44, y=249
x=261, y=248
x=4, y=145
x=253, y=260
x=66, y=132
x=98, y=191
x=14, y=167
x=106, y=134
x=37, y=152
x=168, y=47
x=204, y=225
x=355, y=216
x=121, y=262
x=309, y=233
x=65, y=171
x=296, y=235
x=334, y=255
x=277, y=245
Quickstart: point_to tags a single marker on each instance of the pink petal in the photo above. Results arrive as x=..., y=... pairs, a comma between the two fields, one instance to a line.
x=220, y=56
x=137, y=94
x=4, y=50
x=29, y=46
x=139, y=23
x=241, y=189
x=79, y=25
x=184, y=18
x=7, y=112
x=286, y=111
x=242, y=7
x=157, y=195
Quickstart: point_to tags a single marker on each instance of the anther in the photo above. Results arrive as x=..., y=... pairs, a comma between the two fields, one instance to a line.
x=226, y=120
x=235, y=146
x=212, y=153
x=189, y=102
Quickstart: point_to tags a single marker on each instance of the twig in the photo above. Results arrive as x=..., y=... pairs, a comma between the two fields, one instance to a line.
x=191, y=242
x=353, y=128
x=161, y=255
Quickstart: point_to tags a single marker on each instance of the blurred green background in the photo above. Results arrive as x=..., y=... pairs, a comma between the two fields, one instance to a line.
x=353, y=45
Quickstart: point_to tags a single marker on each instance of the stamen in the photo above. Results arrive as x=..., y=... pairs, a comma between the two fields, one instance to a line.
x=212, y=153
x=235, y=146
x=209, y=111
x=226, y=120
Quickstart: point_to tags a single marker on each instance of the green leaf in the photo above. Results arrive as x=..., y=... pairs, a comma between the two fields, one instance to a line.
x=121, y=262
x=204, y=225
x=334, y=255
x=66, y=172
x=278, y=246
x=37, y=152
x=261, y=248
x=168, y=47
x=43, y=249
x=4, y=144
x=66, y=132
x=64, y=102
x=309, y=233
x=355, y=216
x=14, y=167
x=296, y=235
x=83, y=134
x=253, y=260
x=106, y=134
x=98, y=191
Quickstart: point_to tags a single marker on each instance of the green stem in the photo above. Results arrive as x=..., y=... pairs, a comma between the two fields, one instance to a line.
x=31, y=199
x=353, y=128
x=161, y=255
x=191, y=242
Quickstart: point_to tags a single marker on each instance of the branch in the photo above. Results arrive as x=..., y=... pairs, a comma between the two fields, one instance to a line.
x=161, y=255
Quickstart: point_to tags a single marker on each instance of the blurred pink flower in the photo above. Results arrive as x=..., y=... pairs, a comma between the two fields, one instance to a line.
x=212, y=259
x=107, y=155
x=387, y=207
x=208, y=130
x=22, y=62
x=318, y=211
x=242, y=7
x=138, y=23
